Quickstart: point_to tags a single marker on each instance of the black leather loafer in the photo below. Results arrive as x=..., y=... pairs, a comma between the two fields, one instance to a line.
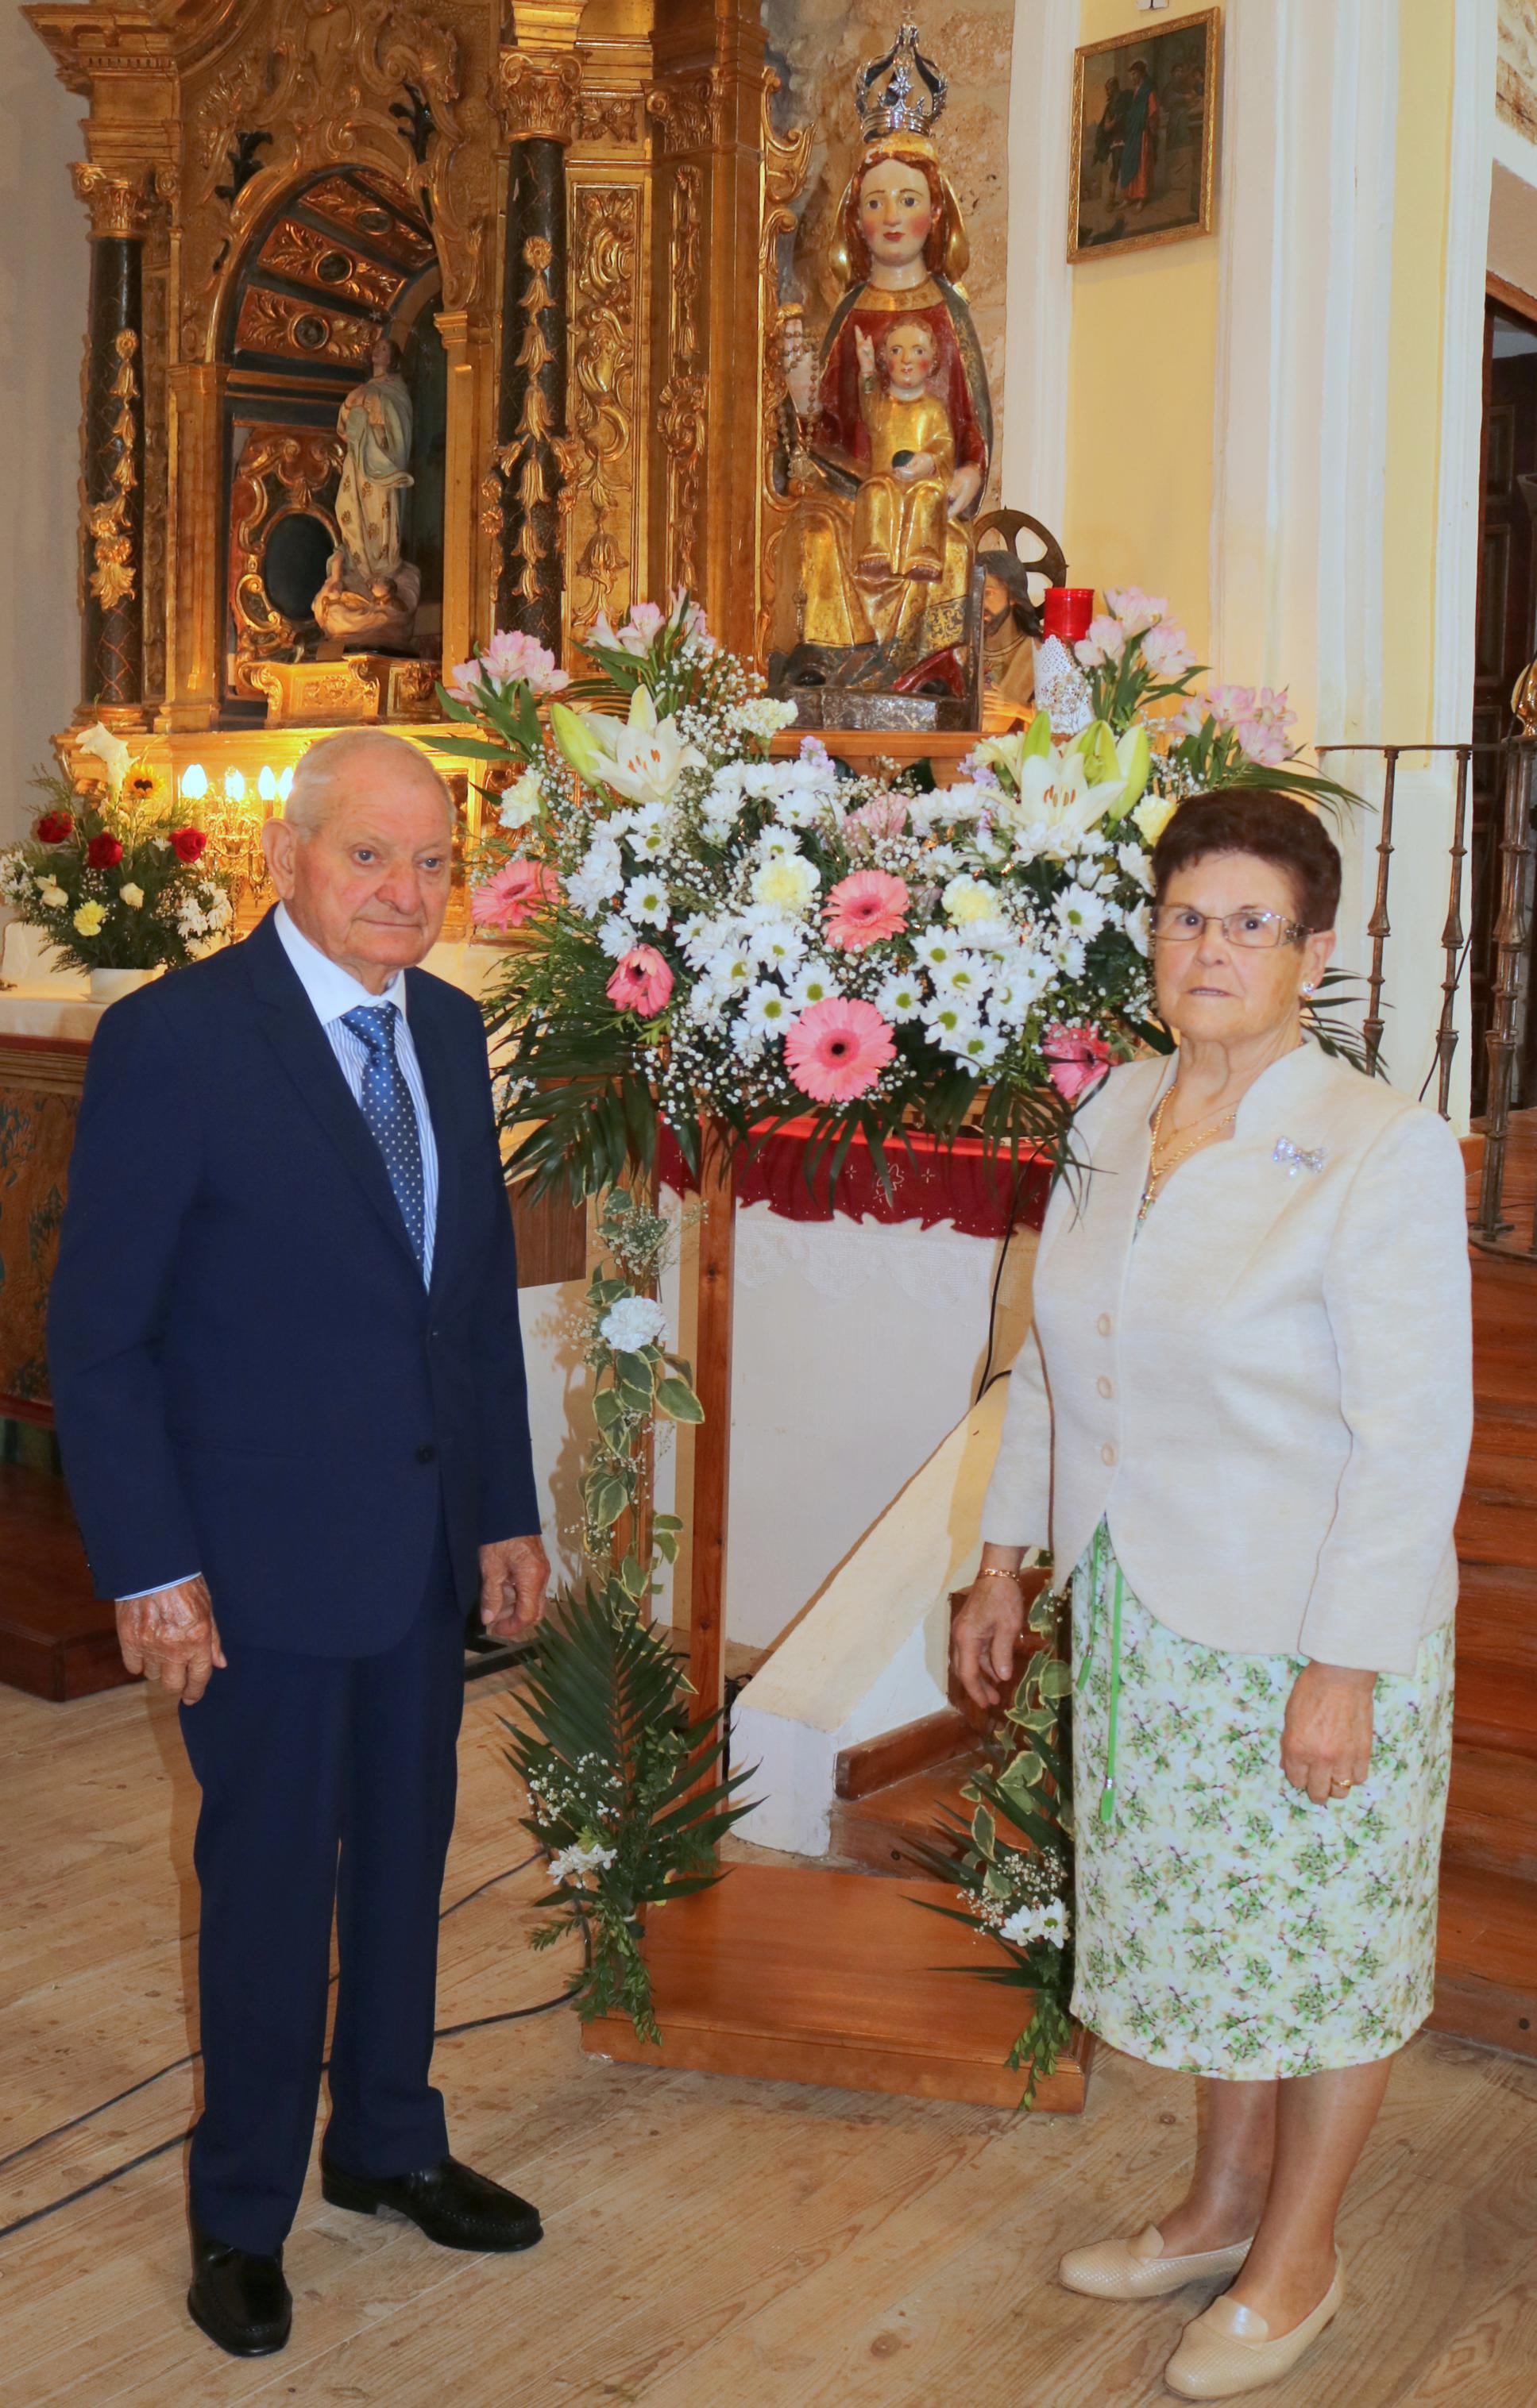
x=240, y=2301
x=451, y=2203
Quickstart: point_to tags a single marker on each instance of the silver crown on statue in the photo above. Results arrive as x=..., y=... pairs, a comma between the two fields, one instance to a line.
x=904, y=92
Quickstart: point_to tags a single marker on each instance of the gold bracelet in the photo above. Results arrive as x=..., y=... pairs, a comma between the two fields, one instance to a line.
x=996, y=1571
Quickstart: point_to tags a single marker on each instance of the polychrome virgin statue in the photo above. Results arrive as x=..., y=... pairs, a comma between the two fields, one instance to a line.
x=893, y=427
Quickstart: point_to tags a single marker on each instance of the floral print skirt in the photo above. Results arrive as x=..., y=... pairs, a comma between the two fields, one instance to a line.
x=1226, y=1926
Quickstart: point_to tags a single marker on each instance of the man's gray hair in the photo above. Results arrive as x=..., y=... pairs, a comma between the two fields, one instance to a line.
x=357, y=755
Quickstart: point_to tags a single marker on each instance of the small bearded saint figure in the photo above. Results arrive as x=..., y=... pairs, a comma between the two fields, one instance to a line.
x=899, y=514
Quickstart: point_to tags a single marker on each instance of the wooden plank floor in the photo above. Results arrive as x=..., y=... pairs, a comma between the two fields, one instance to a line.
x=708, y=2241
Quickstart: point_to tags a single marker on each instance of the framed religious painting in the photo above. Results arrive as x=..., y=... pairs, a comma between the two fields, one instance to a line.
x=1144, y=137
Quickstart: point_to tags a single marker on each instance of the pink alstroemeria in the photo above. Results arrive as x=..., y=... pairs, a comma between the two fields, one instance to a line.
x=883, y=815
x=1192, y=715
x=635, y=634
x=510, y=658
x=1136, y=611
x=1105, y=641
x=518, y=889
x=1263, y=731
x=1076, y=1060
x=837, y=1050
x=1165, y=649
x=865, y=909
x=642, y=982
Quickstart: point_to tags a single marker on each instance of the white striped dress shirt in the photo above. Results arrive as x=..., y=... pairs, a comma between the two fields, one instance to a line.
x=334, y=993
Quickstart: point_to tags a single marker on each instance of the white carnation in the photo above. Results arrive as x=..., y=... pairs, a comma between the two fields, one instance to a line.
x=522, y=801
x=634, y=1322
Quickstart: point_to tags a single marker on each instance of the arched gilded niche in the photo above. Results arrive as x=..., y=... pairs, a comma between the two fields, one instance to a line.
x=345, y=256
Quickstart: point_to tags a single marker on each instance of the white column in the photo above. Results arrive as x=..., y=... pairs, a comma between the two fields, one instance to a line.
x=1033, y=453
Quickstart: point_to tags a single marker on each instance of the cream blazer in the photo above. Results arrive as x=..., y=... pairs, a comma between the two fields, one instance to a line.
x=1267, y=1385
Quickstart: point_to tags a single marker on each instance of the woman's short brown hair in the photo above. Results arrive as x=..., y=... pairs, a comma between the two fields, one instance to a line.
x=1270, y=825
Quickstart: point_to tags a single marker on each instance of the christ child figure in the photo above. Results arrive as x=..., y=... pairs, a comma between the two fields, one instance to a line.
x=901, y=511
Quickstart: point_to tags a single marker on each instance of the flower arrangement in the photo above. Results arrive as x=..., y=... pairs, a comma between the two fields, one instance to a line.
x=112, y=873
x=1013, y=1862
x=622, y=1790
x=716, y=942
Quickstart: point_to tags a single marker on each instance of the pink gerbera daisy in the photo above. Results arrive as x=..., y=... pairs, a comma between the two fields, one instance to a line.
x=864, y=908
x=1076, y=1060
x=837, y=1050
x=642, y=982
x=518, y=889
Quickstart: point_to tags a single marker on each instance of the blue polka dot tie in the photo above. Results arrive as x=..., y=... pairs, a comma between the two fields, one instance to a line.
x=390, y=1114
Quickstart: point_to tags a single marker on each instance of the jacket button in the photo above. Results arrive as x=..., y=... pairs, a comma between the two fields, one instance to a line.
x=427, y=1454
x=1106, y=1387
x=1105, y=1325
x=1107, y=1453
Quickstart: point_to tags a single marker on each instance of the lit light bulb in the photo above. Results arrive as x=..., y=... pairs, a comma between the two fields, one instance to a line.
x=285, y=785
x=266, y=784
x=234, y=786
x=194, y=783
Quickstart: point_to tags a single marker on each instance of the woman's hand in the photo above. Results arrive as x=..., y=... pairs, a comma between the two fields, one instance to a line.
x=989, y=1629
x=1326, y=1745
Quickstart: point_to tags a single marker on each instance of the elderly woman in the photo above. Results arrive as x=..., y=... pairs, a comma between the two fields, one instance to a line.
x=1245, y=1417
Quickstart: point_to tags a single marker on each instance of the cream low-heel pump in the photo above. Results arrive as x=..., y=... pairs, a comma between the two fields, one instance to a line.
x=1230, y=2349
x=1138, y=2268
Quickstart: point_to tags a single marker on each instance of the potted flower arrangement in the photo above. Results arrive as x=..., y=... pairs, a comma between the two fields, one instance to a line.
x=113, y=874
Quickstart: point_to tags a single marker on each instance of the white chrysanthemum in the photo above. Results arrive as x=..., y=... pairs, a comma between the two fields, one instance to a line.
x=900, y=998
x=1135, y=863
x=937, y=948
x=967, y=898
x=15, y=877
x=617, y=938
x=1020, y=982
x=950, y=1023
x=598, y=878
x=965, y=800
x=1069, y=955
x=966, y=977
x=648, y=832
x=1139, y=928
x=587, y=1856
x=814, y=983
x=1079, y=913
x=633, y=1322
x=522, y=801
x=778, y=944
x=978, y=1050
x=788, y=880
x=731, y=968
x=646, y=898
x=768, y=1011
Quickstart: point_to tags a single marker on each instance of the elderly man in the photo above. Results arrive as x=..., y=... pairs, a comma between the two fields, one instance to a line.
x=290, y=1391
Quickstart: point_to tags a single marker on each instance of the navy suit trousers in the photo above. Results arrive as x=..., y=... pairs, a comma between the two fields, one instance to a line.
x=328, y=1788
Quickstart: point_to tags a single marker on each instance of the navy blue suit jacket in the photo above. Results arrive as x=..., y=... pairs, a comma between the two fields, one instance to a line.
x=249, y=1375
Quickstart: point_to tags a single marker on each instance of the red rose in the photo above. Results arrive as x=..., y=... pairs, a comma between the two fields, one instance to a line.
x=104, y=851
x=55, y=828
x=187, y=843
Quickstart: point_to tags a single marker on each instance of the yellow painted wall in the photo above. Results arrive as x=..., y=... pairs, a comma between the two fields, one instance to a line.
x=1423, y=167
x=1142, y=364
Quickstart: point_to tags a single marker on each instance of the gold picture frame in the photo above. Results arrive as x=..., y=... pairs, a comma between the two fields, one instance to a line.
x=1157, y=88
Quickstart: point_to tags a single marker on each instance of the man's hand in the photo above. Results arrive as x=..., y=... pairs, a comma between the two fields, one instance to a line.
x=171, y=1637
x=514, y=1579
x=988, y=1629
x=1326, y=1744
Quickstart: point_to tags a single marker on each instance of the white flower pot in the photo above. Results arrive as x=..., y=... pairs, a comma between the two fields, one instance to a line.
x=108, y=986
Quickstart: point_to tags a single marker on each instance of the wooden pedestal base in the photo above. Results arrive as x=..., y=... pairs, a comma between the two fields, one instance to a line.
x=794, y=1974
x=57, y=1639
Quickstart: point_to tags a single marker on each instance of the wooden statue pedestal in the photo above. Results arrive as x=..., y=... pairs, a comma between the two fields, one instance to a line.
x=800, y=1973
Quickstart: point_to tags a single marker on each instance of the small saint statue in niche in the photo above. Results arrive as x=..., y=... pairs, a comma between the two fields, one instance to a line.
x=900, y=509
x=370, y=595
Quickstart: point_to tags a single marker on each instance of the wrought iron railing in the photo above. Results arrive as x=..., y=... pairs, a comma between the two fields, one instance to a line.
x=1486, y=943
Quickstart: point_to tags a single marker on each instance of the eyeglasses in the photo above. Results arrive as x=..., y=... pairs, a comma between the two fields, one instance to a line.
x=1175, y=923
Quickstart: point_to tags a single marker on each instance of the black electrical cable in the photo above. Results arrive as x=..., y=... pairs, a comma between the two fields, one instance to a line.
x=983, y=1384
x=447, y=2031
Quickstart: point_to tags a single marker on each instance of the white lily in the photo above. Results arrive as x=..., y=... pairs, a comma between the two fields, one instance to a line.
x=111, y=751
x=641, y=757
x=1055, y=793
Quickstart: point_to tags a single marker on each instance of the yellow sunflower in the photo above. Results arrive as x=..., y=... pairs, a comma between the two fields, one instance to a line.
x=142, y=785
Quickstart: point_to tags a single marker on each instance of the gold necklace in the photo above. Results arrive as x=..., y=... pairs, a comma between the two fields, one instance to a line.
x=1159, y=1164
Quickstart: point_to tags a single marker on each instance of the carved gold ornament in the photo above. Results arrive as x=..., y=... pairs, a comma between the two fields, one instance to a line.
x=282, y=470
x=688, y=110
x=680, y=404
x=120, y=206
x=525, y=454
x=598, y=459
x=540, y=99
x=316, y=258
x=105, y=523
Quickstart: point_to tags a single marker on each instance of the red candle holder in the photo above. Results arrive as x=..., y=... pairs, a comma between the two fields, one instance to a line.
x=1067, y=611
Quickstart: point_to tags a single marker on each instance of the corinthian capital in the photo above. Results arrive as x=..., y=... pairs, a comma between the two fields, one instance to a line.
x=118, y=204
x=539, y=96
